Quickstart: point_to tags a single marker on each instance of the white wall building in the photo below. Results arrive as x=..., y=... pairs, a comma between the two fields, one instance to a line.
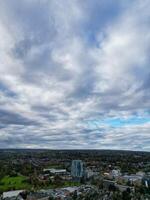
x=11, y=194
x=55, y=171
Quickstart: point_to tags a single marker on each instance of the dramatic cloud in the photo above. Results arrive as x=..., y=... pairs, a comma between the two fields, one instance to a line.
x=75, y=74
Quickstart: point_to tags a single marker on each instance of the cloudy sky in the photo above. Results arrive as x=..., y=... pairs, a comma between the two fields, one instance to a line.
x=75, y=74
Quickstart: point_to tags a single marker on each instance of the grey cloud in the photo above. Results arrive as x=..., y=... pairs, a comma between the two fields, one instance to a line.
x=7, y=91
x=8, y=117
x=66, y=74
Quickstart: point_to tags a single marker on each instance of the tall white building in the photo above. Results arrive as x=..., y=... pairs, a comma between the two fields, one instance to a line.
x=77, y=168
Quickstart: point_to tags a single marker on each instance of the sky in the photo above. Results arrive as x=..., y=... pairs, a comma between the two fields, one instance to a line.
x=75, y=74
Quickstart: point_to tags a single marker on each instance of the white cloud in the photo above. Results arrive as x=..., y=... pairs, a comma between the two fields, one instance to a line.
x=60, y=81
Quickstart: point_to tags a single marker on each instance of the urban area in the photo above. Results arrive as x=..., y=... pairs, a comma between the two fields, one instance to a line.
x=74, y=175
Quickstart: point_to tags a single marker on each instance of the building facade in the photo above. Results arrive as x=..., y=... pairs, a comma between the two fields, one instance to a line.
x=77, y=168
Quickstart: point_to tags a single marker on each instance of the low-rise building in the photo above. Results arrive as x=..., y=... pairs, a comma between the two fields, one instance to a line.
x=55, y=171
x=89, y=173
x=123, y=188
x=133, y=179
x=12, y=194
x=115, y=173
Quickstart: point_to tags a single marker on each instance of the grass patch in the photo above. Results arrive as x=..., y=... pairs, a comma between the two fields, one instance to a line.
x=21, y=182
x=71, y=184
x=14, y=183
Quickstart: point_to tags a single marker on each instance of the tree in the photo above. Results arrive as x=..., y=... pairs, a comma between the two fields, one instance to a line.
x=57, y=180
x=74, y=195
x=126, y=195
x=51, y=198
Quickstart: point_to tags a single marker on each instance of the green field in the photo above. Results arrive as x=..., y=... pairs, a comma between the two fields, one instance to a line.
x=71, y=184
x=14, y=183
x=20, y=182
